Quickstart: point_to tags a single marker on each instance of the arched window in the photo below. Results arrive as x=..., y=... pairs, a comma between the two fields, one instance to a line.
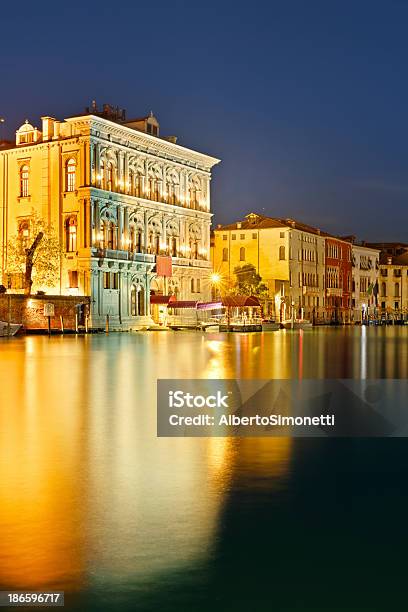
x=103, y=177
x=102, y=237
x=131, y=182
x=151, y=188
x=281, y=252
x=138, y=186
x=138, y=244
x=224, y=254
x=24, y=175
x=194, y=249
x=396, y=290
x=110, y=177
x=70, y=175
x=242, y=254
x=383, y=289
x=170, y=193
x=133, y=301
x=112, y=236
x=141, y=301
x=193, y=197
x=71, y=234
x=132, y=238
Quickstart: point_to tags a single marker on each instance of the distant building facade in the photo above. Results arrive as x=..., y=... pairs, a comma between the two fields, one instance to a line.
x=338, y=280
x=365, y=288
x=288, y=255
x=131, y=209
x=393, y=280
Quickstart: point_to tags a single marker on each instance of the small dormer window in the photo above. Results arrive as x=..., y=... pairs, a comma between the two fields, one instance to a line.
x=27, y=134
x=152, y=129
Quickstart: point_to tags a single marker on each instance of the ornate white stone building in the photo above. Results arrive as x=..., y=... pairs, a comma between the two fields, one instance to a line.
x=132, y=209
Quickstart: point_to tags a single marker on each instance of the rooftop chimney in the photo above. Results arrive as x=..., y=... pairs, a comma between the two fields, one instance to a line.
x=47, y=127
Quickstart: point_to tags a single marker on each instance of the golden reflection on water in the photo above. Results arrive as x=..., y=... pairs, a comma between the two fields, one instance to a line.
x=89, y=494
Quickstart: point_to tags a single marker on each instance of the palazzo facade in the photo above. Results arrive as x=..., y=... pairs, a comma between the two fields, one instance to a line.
x=131, y=209
x=288, y=255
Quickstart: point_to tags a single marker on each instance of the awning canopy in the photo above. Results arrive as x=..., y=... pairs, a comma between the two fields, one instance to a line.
x=181, y=304
x=240, y=301
x=209, y=305
x=161, y=299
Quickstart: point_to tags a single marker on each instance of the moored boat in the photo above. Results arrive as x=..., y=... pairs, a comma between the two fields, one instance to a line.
x=8, y=330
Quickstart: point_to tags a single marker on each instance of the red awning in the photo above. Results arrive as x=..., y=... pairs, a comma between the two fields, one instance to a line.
x=209, y=305
x=240, y=301
x=186, y=304
x=161, y=299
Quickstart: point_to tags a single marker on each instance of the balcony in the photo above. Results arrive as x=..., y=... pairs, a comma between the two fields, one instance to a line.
x=311, y=290
x=119, y=254
x=334, y=292
x=122, y=255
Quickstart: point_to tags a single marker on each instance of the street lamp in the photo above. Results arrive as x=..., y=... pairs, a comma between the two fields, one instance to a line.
x=215, y=279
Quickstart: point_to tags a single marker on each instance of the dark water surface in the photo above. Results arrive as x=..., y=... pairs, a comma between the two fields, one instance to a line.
x=93, y=503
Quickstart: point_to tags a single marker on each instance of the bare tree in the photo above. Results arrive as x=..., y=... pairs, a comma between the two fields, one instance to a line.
x=38, y=262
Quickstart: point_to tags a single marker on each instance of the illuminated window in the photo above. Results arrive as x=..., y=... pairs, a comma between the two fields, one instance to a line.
x=71, y=175
x=103, y=178
x=131, y=237
x=131, y=182
x=24, y=175
x=110, y=177
x=71, y=234
x=138, y=190
x=112, y=236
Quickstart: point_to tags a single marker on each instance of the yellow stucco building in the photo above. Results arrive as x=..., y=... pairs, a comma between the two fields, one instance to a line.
x=131, y=210
x=287, y=254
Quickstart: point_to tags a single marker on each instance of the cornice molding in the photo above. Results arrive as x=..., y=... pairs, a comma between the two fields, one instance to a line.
x=150, y=144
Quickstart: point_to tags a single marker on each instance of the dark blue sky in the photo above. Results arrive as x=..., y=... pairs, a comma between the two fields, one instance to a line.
x=305, y=103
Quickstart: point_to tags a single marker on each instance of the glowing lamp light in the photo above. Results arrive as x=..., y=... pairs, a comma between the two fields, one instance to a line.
x=215, y=278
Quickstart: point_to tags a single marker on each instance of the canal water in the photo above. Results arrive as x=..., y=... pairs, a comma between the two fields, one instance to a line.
x=93, y=503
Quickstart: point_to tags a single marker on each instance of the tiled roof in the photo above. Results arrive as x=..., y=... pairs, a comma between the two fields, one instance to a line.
x=396, y=260
x=257, y=222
